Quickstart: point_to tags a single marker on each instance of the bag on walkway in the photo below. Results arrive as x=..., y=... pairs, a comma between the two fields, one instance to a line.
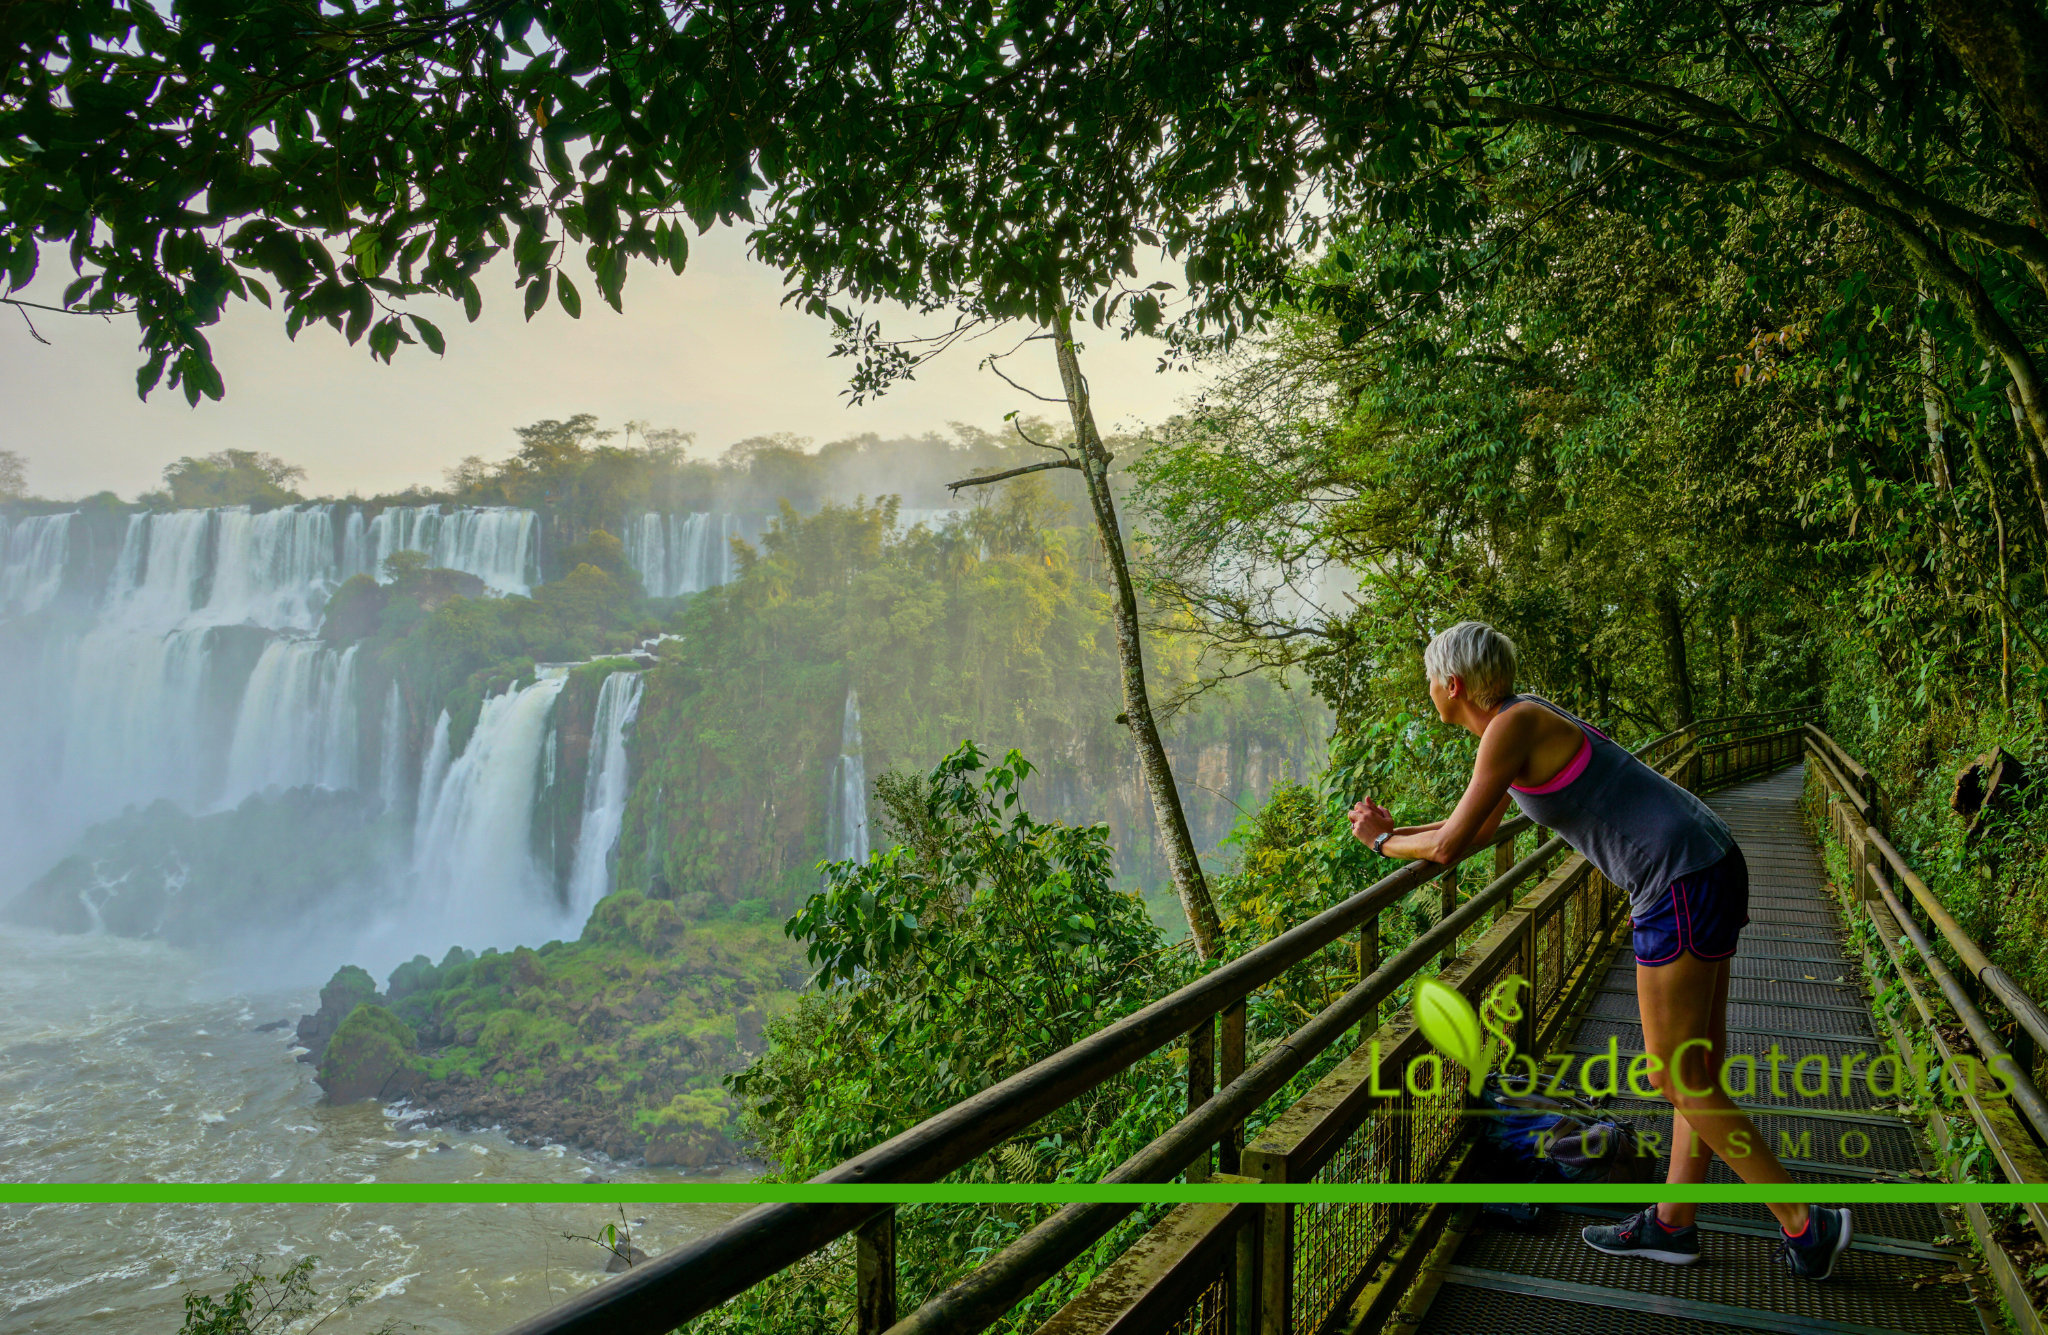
x=1555, y=1138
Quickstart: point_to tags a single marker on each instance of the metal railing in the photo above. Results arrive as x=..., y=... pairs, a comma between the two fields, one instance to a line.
x=1341, y=1131
x=1308, y=1269
x=2015, y=1127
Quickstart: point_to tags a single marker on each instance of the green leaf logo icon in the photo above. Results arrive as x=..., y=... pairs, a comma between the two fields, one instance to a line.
x=1448, y=1021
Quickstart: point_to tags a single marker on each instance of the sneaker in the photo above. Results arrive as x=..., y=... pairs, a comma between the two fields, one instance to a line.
x=1643, y=1234
x=1812, y=1254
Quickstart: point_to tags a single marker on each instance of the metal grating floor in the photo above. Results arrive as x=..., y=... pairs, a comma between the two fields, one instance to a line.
x=1790, y=982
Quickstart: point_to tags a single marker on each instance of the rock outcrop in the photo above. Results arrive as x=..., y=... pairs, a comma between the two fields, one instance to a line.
x=369, y=1057
x=618, y=1042
x=349, y=988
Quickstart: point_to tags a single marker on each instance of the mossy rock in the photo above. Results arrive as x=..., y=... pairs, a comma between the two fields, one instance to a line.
x=369, y=1057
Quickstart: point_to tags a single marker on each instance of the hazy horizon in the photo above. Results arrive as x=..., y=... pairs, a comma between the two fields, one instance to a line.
x=711, y=352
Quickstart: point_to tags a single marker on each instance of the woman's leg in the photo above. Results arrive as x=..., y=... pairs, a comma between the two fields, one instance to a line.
x=1687, y=999
x=1692, y=1156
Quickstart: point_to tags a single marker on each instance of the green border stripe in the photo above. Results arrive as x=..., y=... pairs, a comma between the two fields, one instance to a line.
x=752, y=1193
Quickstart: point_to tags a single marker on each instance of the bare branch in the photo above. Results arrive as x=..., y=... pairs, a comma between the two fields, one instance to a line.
x=1043, y=445
x=1009, y=473
x=32, y=332
x=990, y=362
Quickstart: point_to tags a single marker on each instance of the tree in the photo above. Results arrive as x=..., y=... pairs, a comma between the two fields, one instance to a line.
x=13, y=476
x=232, y=477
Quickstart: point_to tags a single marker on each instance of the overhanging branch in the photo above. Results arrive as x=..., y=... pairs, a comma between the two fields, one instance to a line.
x=987, y=478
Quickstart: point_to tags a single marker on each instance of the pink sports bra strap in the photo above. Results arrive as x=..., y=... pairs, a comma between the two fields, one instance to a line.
x=1568, y=773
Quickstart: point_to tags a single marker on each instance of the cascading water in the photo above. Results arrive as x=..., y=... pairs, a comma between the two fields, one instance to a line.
x=182, y=671
x=297, y=723
x=33, y=554
x=688, y=553
x=391, y=776
x=604, y=792
x=494, y=543
x=473, y=862
x=847, y=835
x=433, y=769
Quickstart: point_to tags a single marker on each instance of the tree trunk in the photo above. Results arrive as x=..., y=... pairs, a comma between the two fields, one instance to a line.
x=1188, y=881
x=2030, y=451
x=1671, y=620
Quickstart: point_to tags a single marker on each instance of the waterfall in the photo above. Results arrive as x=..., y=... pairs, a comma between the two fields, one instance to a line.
x=275, y=569
x=297, y=722
x=162, y=570
x=688, y=553
x=433, y=769
x=137, y=723
x=604, y=792
x=494, y=543
x=473, y=861
x=391, y=751
x=847, y=829
x=33, y=555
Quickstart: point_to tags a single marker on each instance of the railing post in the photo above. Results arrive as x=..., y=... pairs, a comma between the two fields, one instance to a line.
x=1244, y=1286
x=874, y=1251
x=1201, y=1083
x=1448, y=899
x=1503, y=863
x=1276, y=1269
x=1368, y=962
x=1532, y=996
x=1233, y=1066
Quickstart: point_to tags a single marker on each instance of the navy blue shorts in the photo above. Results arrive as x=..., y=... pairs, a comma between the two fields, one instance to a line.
x=1702, y=912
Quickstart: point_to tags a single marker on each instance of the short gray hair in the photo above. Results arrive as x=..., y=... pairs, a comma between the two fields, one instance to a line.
x=1483, y=656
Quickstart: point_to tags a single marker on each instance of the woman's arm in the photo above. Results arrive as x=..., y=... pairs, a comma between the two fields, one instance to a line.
x=1503, y=752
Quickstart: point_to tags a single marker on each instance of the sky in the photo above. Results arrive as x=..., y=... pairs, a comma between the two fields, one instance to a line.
x=711, y=352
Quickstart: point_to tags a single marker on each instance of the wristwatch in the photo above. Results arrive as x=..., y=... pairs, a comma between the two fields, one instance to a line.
x=1381, y=840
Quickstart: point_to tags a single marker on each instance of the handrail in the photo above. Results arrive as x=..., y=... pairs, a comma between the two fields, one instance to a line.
x=998, y=1284
x=1968, y=951
x=2024, y=1093
x=656, y=1296
x=1833, y=759
x=699, y=1276
x=2002, y=985
x=1306, y=1268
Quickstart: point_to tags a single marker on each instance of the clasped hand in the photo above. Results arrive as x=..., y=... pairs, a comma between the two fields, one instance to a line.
x=1370, y=820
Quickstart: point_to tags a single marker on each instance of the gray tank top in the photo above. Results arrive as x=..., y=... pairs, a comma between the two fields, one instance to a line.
x=1639, y=828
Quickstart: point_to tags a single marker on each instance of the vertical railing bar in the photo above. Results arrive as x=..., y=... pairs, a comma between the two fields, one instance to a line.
x=874, y=1251
x=1447, y=897
x=1201, y=1083
x=1228, y=1153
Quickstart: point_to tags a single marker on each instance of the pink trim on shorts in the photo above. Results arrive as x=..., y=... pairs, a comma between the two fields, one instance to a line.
x=1684, y=942
x=1682, y=917
x=1567, y=774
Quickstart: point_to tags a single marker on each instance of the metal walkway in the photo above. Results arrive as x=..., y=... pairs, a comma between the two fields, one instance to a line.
x=1793, y=984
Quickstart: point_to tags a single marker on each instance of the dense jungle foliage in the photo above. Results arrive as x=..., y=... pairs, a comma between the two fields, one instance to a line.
x=993, y=628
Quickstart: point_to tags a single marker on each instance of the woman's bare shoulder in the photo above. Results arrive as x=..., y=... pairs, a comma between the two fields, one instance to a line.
x=1531, y=718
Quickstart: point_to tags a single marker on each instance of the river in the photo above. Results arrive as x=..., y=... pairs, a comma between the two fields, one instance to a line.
x=133, y=1061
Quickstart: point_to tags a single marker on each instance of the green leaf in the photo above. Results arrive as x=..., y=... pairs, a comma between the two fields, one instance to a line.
x=565, y=292
x=429, y=335
x=1448, y=1021
x=536, y=295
